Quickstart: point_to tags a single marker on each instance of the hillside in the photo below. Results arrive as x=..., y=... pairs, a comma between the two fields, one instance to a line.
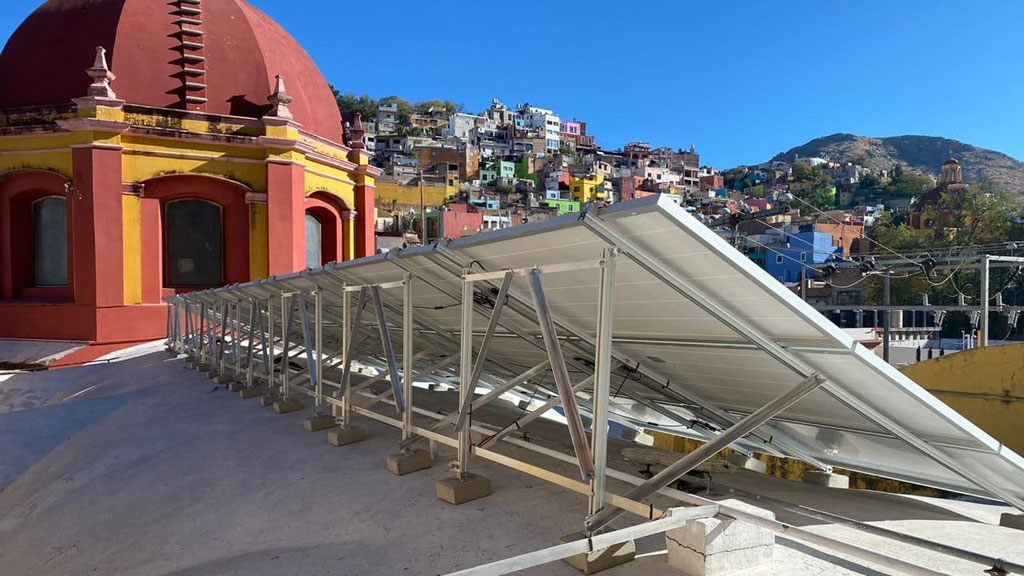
x=922, y=153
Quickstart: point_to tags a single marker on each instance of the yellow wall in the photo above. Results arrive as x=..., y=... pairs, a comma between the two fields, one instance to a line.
x=986, y=385
x=259, y=258
x=132, y=222
x=392, y=192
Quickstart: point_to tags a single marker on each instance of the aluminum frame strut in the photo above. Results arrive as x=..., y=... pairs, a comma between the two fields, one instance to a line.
x=521, y=423
x=350, y=323
x=485, y=344
x=561, y=374
x=602, y=517
x=602, y=378
x=389, y=348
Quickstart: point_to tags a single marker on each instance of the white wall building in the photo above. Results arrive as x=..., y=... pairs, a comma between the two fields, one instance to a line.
x=542, y=121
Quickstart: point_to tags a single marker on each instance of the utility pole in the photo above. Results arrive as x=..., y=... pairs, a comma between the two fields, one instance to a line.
x=983, y=293
x=886, y=315
x=423, y=212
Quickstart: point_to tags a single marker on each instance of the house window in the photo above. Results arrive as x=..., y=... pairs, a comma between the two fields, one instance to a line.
x=192, y=244
x=314, y=243
x=803, y=256
x=50, y=239
x=778, y=258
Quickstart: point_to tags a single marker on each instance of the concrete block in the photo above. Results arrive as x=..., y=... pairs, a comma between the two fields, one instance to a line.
x=345, y=436
x=1012, y=520
x=720, y=547
x=600, y=560
x=225, y=379
x=246, y=393
x=269, y=400
x=404, y=463
x=236, y=385
x=742, y=461
x=285, y=406
x=471, y=487
x=827, y=480
x=319, y=422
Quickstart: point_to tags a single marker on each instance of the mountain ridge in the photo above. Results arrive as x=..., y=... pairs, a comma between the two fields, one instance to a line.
x=924, y=154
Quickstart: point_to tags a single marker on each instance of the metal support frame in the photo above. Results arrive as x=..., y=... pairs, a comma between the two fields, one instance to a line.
x=249, y=350
x=287, y=311
x=236, y=339
x=350, y=325
x=407, y=357
x=602, y=379
x=465, y=371
x=687, y=463
x=389, y=348
x=523, y=422
x=318, y=329
x=478, y=367
x=561, y=375
x=887, y=315
x=312, y=359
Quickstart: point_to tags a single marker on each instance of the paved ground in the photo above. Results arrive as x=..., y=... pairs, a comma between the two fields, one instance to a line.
x=141, y=467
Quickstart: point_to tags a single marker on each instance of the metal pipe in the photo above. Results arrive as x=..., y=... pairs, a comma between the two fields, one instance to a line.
x=485, y=344
x=602, y=379
x=407, y=353
x=983, y=294
x=465, y=369
x=561, y=374
x=707, y=450
x=389, y=348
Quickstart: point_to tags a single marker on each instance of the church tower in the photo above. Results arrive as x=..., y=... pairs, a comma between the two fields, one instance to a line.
x=952, y=172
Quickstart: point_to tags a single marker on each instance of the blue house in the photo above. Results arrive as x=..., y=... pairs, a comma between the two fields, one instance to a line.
x=804, y=248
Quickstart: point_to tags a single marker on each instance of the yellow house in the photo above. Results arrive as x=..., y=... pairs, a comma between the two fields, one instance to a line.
x=587, y=188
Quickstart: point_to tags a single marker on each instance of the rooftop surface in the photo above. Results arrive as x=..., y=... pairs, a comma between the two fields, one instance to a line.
x=140, y=466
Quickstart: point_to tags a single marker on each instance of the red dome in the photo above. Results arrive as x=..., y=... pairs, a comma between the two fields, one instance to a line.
x=45, y=60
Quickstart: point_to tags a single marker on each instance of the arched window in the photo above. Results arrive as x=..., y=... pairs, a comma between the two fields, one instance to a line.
x=314, y=242
x=50, y=241
x=193, y=244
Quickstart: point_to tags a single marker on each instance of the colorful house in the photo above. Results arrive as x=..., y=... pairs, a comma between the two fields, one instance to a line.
x=495, y=169
x=186, y=165
x=801, y=250
x=588, y=188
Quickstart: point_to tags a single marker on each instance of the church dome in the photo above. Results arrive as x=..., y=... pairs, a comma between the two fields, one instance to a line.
x=213, y=56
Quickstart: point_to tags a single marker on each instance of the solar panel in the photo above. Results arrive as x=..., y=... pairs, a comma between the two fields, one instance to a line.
x=702, y=338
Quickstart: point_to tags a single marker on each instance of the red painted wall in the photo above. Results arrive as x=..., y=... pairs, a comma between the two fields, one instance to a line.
x=286, y=188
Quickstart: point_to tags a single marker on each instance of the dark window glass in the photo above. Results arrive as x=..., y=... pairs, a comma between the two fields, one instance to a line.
x=192, y=244
x=50, y=236
x=313, y=242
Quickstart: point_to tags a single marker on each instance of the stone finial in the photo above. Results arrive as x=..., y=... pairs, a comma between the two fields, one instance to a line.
x=280, y=99
x=101, y=76
x=357, y=134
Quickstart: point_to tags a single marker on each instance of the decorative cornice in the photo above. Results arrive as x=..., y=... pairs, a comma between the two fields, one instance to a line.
x=80, y=124
x=332, y=161
x=255, y=197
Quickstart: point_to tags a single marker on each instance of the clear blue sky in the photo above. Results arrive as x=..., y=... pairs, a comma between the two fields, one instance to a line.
x=741, y=80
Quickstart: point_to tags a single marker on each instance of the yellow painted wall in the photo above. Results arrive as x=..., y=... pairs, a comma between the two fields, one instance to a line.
x=986, y=385
x=392, y=192
x=132, y=222
x=259, y=257
x=587, y=188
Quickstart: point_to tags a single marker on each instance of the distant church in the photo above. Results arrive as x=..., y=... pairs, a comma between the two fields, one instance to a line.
x=951, y=179
x=198, y=146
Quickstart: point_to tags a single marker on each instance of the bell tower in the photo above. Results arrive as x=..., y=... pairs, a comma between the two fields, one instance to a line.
x=952, y=172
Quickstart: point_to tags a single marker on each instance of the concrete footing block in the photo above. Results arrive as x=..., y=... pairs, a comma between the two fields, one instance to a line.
x=720, y=547
x=471, y=487
x=599, y=560
x=236, y=386
x=320, y=422
x=403, y=463
x=285, y=406
x=826, y=479
x=345, y=436
x=269, y=400
x=203, y=367
x=743, y=461
x=1012, y=520
x=246, y=393
x=225, y=379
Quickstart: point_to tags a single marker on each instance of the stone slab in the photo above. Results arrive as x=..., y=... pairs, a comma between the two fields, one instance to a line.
x=743, y=461
x=471, y=487
x=246, y=393
x=346, y=436
x=285, y=406
x=268, y=400
x=1012, y=520
x=599, y=560
x=320, y=422
x=721, y=546
x=403, y=463
x=827, y=480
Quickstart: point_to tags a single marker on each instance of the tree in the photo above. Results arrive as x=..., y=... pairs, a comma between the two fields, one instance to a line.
x=449, y=107
x=979, y=214
x=349, y=104
x=906, y=184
